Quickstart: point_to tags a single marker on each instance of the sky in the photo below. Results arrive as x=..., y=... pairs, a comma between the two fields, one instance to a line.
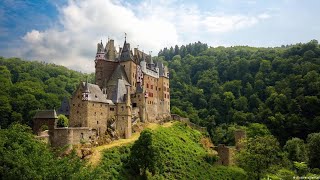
x=66, y=32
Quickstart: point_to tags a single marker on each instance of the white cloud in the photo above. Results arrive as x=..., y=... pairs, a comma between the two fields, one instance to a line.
x=151, y=25
x=264, y=16
x=228, y=23
x=33, y=37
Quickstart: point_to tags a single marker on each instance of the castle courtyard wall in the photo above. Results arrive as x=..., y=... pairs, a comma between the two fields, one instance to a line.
x=62, y=137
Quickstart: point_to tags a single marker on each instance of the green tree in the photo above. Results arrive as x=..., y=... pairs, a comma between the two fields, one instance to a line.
x=241, y=104
x=313, y=144
x=301, y=168
x=257, y=129
x=296, y=150
x=5, y=80
x=259, y=155
x=24, y=157
x=5, y=111
x=62, y=121
x=145, y=156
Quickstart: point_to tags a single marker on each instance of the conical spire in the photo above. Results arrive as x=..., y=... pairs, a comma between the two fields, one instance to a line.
x=125, y=51
x=86, y=86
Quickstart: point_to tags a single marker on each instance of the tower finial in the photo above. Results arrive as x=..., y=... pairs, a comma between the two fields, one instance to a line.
x=125, y=36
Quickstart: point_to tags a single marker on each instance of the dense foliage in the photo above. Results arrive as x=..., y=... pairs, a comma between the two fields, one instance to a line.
x=192, y=48
x=62, y=121
x=259, y=155
x=279, y=87
x=173, y=153
x=314, y=150
x=24, y=157
x=27, y=86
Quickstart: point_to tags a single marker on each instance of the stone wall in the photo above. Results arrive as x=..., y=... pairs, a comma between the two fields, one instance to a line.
x=90, y=114
x=78, y=110
x=226, y=155
x=98, y=115
x=62, y=137
x=164, y=96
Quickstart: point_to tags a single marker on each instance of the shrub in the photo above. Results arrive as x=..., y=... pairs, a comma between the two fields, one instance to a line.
x=63, y=121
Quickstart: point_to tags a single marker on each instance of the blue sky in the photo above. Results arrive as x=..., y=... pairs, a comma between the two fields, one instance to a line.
x=66, y=32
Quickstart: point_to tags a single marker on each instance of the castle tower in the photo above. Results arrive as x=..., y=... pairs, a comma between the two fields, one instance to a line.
x=105, y=62
x=126, y=60
x=124, y=115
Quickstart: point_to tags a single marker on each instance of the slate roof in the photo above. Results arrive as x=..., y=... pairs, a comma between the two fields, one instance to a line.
x=118, y=95
x=125, y=52
x=46, y=114
x=65, y=107
x=95, y=94
x=118, y=73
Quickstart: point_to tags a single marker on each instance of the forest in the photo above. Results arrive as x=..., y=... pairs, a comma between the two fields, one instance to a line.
x=278, y=87
x=272, y=93
x=27, y=86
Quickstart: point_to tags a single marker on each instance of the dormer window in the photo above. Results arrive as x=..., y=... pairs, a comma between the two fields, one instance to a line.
x=85, y=96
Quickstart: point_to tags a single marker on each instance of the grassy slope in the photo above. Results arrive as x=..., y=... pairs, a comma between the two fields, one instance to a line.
x=182, y=155
x=96, y=156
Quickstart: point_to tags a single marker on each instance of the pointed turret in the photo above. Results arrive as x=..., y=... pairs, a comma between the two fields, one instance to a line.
x=86, y=91
x=86, y=87
x=100, y=52
x=126, y=53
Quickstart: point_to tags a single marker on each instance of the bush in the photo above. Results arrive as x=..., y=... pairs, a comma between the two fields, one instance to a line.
x=296, y=149
x=63, y=121
x=211, y=158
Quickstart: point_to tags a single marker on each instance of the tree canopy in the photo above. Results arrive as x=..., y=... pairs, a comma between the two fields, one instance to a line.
x=29, y=85
x=279, y=87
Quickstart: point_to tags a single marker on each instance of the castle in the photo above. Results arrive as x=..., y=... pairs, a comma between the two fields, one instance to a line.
x=129, y=87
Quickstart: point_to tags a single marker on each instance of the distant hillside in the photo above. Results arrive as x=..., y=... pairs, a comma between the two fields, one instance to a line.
x=29, y=85
x=279, y=87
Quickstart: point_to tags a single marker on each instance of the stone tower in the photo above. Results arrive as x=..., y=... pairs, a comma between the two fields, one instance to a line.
x=239, y=136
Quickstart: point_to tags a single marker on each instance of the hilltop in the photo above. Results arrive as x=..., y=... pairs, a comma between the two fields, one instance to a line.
x=174, y=152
